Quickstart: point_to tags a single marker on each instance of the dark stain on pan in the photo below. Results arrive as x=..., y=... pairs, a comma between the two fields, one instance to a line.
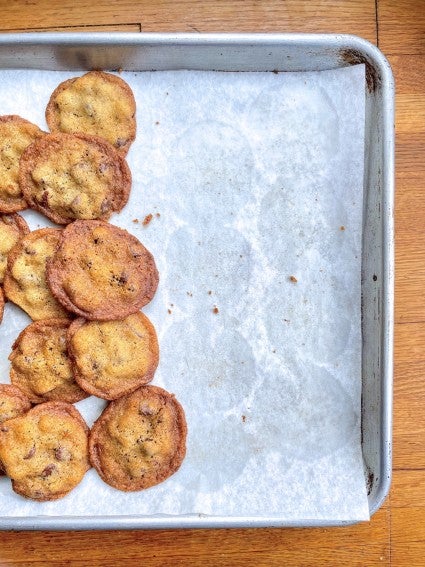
x=353, y=57
x=369, y=482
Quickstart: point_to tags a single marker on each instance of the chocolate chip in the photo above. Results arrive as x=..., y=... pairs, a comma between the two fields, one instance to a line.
x=48, y=470
x=76, y=201
x=104, y=207
x=30, y=453
x=144, y=409
x=61, y=454
x=44, y=199
x=120, y=142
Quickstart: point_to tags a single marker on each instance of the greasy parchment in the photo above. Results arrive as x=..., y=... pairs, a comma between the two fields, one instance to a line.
x=254, y=181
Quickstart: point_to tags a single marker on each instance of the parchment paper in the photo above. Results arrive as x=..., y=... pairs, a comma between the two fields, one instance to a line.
x=251, y=178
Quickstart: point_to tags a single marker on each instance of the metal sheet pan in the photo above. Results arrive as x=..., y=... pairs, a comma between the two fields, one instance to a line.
x=264, y=52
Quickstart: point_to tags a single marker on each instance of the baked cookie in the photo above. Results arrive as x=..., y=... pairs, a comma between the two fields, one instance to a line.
x=44, y=452
x=25, y=279
x=40, y=365
x=96, y=103
x=68, y=177
x=101, y=272
x=16, y=134
x=2, y=301
x=12, y=228
x=13, y=402
x=113, y=358
x=139, y=440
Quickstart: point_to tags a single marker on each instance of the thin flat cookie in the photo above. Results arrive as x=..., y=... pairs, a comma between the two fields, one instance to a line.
x=139, y=440
x=101, y=272
x=2, y=302
x=113, y=358
x=96, y=103
x=40, y=364
x=12, y=228
x=13, y=402
x=68, y=177
x=25, y=280
x=45, y=451
x=16, y=134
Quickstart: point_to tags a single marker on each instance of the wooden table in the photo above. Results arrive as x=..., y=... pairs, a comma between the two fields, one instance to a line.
x=396, y=534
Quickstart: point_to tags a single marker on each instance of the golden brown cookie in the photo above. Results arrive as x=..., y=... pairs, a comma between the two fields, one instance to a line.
x=41, y=366
x=44, y=452
x=13, y=402
x=139, y=440
x=2, y=301
x=68, y=177
x=12, y=228
x=113, y=358
x=96, y=103
x=16, y=134
x=101, y=272
x=25, y=279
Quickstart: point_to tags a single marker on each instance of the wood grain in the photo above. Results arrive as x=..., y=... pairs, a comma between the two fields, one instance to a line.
x=366, y=544
x=408, y=537
x=409, y=73
x=347, y=16
x=401, y=26
x=84, y=28
x=408, y=490
x=409, y=397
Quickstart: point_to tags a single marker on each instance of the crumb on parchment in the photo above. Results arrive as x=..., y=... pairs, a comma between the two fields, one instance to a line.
x=147, y=219
x=215, y=310
x=293, y=279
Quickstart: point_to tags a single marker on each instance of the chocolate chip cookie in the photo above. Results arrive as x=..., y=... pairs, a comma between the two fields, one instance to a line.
x=113, y=358
x=96, y=103
x=12, y=228
x=13, y=402
x=40, y=364
x=25, y=280
x=68, y=177
x=101, y=272
x=139, y=440
x=45, y=451
x=16, y=134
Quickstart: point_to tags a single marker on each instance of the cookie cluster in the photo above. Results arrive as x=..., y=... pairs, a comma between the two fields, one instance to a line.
x=83, y=286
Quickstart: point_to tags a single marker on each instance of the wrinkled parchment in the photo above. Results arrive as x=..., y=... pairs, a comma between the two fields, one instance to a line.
x=254, y=181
